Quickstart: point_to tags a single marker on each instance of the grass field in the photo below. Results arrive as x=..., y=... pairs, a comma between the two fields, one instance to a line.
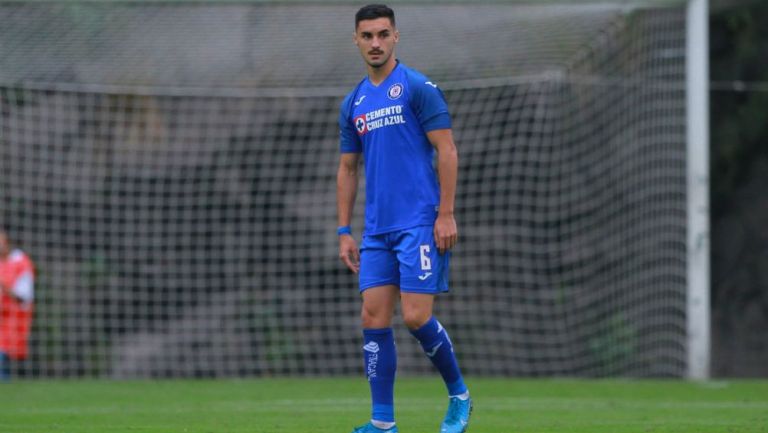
x=336, y=405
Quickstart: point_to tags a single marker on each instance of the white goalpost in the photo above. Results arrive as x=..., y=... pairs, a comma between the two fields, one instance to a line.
x=697, y=90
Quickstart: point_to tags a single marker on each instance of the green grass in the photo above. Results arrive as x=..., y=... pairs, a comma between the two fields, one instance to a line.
x=336, y=405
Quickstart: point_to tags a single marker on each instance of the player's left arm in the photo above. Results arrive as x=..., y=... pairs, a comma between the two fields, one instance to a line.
x=446, y=232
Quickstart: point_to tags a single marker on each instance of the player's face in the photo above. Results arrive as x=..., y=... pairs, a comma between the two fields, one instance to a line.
x=376, y=40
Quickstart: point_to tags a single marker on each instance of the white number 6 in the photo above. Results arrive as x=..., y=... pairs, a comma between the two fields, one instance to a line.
x=426, y=263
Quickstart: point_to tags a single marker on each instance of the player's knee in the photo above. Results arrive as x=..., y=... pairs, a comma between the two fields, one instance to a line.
x=415, y=318
x=374, y=318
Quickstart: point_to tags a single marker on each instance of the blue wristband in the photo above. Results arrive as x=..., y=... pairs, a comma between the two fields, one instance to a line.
x=344, y=230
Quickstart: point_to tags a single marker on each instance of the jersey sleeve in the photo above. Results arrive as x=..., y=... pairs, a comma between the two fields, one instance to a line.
x=349, y=141
x=428, y=103
x=24, y=287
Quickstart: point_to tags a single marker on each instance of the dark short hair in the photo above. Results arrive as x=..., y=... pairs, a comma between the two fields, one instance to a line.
x=371, y=12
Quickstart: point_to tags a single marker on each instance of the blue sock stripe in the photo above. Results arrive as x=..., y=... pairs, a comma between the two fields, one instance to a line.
x=377, y=331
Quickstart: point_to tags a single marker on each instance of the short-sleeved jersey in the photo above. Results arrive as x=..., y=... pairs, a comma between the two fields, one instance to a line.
x=15, y=317
x=388, y=124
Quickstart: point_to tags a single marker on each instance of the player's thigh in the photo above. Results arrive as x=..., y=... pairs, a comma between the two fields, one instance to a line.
x=422, y=268
x=378, y=263
x=379, y=277
x=379, y=306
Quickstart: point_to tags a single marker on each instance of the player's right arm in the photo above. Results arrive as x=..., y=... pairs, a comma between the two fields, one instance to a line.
x=346, y=191
x=346, y=181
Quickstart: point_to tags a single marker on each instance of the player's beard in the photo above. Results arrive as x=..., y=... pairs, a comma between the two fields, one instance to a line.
x=381, y=62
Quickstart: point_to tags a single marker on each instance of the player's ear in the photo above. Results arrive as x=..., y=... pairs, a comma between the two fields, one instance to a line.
x=397, y=36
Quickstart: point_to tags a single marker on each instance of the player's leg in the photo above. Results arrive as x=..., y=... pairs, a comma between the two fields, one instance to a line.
x=423, y=274
x=434, y=339
x=378, y=277
x=5, y=367
x=379, y=354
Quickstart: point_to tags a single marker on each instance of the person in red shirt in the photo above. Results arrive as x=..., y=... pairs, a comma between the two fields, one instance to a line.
x=16, y=297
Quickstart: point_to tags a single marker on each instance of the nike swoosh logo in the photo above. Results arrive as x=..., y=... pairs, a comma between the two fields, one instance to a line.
x=425, y=276
x=359, y=101
x=434, y=350
x=431, y=84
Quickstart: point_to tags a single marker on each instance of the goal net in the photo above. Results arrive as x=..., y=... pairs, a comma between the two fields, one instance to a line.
x=170, y=168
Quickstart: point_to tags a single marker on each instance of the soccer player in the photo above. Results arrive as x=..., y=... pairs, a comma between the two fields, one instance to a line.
x=16, y=294
x=397, y=118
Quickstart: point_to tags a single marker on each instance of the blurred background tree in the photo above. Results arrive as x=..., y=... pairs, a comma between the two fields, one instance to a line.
x=739, y=179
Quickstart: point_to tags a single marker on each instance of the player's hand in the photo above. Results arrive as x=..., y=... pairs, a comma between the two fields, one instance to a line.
x=348, y=253
x=446, y=233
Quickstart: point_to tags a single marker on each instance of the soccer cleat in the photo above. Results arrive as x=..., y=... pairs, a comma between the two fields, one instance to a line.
x=457, y=418
x=370, y=428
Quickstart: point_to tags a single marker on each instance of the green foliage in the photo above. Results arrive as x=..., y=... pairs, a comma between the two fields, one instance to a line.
x=616, y=346
x=739, y=158
x=739, y=47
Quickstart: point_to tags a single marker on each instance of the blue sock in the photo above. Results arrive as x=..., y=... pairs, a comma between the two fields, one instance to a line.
x=438, y=347
x=380, y=366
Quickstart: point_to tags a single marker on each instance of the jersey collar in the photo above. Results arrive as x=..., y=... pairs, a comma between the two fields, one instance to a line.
x=391, y=73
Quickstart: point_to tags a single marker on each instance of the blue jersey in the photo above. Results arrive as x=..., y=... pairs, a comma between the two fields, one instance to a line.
x=388, y=124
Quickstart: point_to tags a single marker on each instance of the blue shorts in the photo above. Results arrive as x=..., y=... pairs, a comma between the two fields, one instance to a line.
x=407, y=258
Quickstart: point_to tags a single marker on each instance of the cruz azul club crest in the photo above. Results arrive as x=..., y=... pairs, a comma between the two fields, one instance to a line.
x=360, y=124
x=395, y=91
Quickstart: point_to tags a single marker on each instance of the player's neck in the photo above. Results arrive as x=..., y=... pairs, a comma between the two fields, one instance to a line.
x=377, y=75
